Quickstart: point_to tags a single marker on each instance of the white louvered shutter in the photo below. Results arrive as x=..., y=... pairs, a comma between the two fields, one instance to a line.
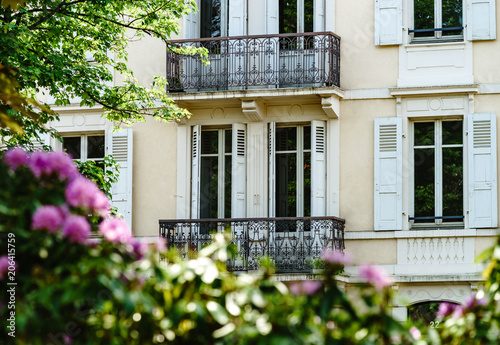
x=272, y=17
x=388, y=22
x=237, y=18
x=192, y=24
x=44, y=140
x=482, y=165
x=318, y=168
x=120, y=147
x=195, y=172
x=238, y=175
x=272, y=169
x=481, y=23
x=388, y=171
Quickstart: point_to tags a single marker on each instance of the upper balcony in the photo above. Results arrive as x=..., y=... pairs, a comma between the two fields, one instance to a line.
x=257, y=62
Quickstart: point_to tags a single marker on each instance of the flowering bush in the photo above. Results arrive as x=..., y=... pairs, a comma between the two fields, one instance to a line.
x=78, y=277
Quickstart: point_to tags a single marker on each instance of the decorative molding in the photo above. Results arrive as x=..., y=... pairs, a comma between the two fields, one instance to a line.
x=434, y=90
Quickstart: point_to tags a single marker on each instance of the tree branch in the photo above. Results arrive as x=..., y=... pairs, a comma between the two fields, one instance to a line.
x=54, y=11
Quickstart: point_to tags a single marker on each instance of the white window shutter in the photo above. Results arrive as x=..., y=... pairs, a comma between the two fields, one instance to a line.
x=237, y=18
x=482, y=170
x=192, y=24
x=388, y=171
x=481, y=24
x=388, y=22
x=319, y=15
x=195, y=172
x=238, y=174
x=120, y=147
x=272, y=17
x=318, y=168
x=272, y=169
x=44, y=140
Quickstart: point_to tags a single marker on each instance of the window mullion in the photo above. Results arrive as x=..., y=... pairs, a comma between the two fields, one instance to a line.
x=83, y=149
x=438, y=172
x=438, y=17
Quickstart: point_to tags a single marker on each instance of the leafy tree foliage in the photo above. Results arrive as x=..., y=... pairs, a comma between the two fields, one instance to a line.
x=73, y=48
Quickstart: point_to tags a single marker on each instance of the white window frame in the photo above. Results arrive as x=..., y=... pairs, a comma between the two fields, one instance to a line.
x=438, y=23
x=221, y=163
x=84, y=145
x=438, y=174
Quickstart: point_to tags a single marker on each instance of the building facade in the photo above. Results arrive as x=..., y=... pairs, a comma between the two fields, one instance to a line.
x=378, y=113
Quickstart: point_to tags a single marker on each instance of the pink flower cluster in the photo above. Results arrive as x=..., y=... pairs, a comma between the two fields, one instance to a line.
x=375, y=276
x=54, y=218
x=42, y=163
x=306, y=287
x=336, y=257
x=81, y=192
x=457, y=310
x=4, y=265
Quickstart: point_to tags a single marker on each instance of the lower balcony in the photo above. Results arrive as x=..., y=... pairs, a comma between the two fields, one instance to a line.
x=293, y=244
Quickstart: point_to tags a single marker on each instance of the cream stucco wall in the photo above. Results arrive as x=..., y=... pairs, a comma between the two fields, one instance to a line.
x=363, y=65
x=356, y=159
x=154, y=175
x=379, y=252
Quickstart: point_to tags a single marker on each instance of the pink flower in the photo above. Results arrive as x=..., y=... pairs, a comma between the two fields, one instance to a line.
x=77, y=229
x=375, y=275
x=81, y=192
x=445, y=309
x=415, y=333
x=140, y=249
x=48, y=217
x=39, y=163
x=307, y=287
x=115, y=230
x=336, y=257
x=458, y=311
x=161, y=245
x=4, y=265
x=100, y=204
x=61, y=163
x=15, y=157
x=472, y=301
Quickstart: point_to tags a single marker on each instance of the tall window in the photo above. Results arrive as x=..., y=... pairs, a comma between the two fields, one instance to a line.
x=437, y=19
x=296, y=16
x=215, y=173
x=293, y=171
x=214, y=18
x=85, y=147
x=438, y=171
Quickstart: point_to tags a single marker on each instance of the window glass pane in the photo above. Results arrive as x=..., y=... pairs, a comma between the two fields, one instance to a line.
x=209, y=142
x=424, y=312
x=423, y=17
x=307, y=137
x=286, y=185
x=228, y=140
x=307, y=184
x=308, y=15
x=227, y=188
x=210, y=18
x=452, y=16
x=95, y=146
x=72, y=145
x=288, y=16
x=286, y=138
x=209, y=187
x=423, y=133
x=453, y=189
x=452, y=132
x=424, y=183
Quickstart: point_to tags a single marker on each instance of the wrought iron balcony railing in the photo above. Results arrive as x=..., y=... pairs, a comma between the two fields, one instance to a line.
x=266, y=61
x=292, y=243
